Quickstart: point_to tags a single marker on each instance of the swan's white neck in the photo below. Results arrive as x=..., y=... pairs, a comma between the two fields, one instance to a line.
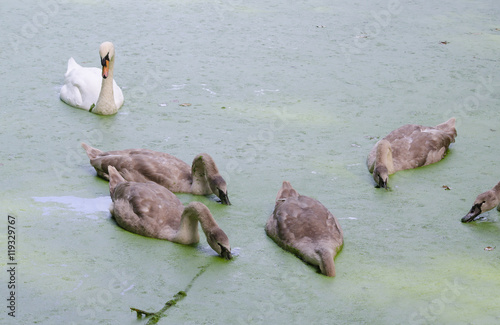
x=106, y=102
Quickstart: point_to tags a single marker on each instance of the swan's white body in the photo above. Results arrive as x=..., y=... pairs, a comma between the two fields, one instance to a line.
x=84, y=86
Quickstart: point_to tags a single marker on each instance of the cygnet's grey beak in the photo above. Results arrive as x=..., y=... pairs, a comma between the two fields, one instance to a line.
x=382, y=183
x=473, y=213
x=225, y=253
x=224, y=198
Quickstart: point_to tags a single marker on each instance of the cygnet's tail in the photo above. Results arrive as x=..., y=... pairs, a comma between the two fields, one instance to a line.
x=448, y=127
x=91, y=152
x=286, y=191
x=114, y=179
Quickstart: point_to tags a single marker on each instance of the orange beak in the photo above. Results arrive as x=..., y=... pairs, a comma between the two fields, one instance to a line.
x=105, y=69
x=105, y=66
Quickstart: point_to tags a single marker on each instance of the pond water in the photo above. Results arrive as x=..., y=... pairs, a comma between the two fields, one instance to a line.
x=277, y=91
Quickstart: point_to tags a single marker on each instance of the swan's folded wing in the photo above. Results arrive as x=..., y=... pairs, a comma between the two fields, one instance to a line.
x=301, y=218
x=71, y=95
x=81, y=86
x=148, y=206
x=415, y=146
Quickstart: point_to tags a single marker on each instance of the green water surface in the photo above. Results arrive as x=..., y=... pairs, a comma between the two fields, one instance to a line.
x=279, y=90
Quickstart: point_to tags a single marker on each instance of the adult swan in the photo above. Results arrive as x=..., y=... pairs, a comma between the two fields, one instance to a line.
x=92, y=89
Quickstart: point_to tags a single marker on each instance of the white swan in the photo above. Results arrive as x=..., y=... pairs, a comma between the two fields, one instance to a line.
x=88, y=87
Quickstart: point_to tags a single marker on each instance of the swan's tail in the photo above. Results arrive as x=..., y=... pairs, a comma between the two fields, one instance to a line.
x=71, y=66
x=91, y=152
x=448, y=126
x=114, y=179
x=286, y=191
